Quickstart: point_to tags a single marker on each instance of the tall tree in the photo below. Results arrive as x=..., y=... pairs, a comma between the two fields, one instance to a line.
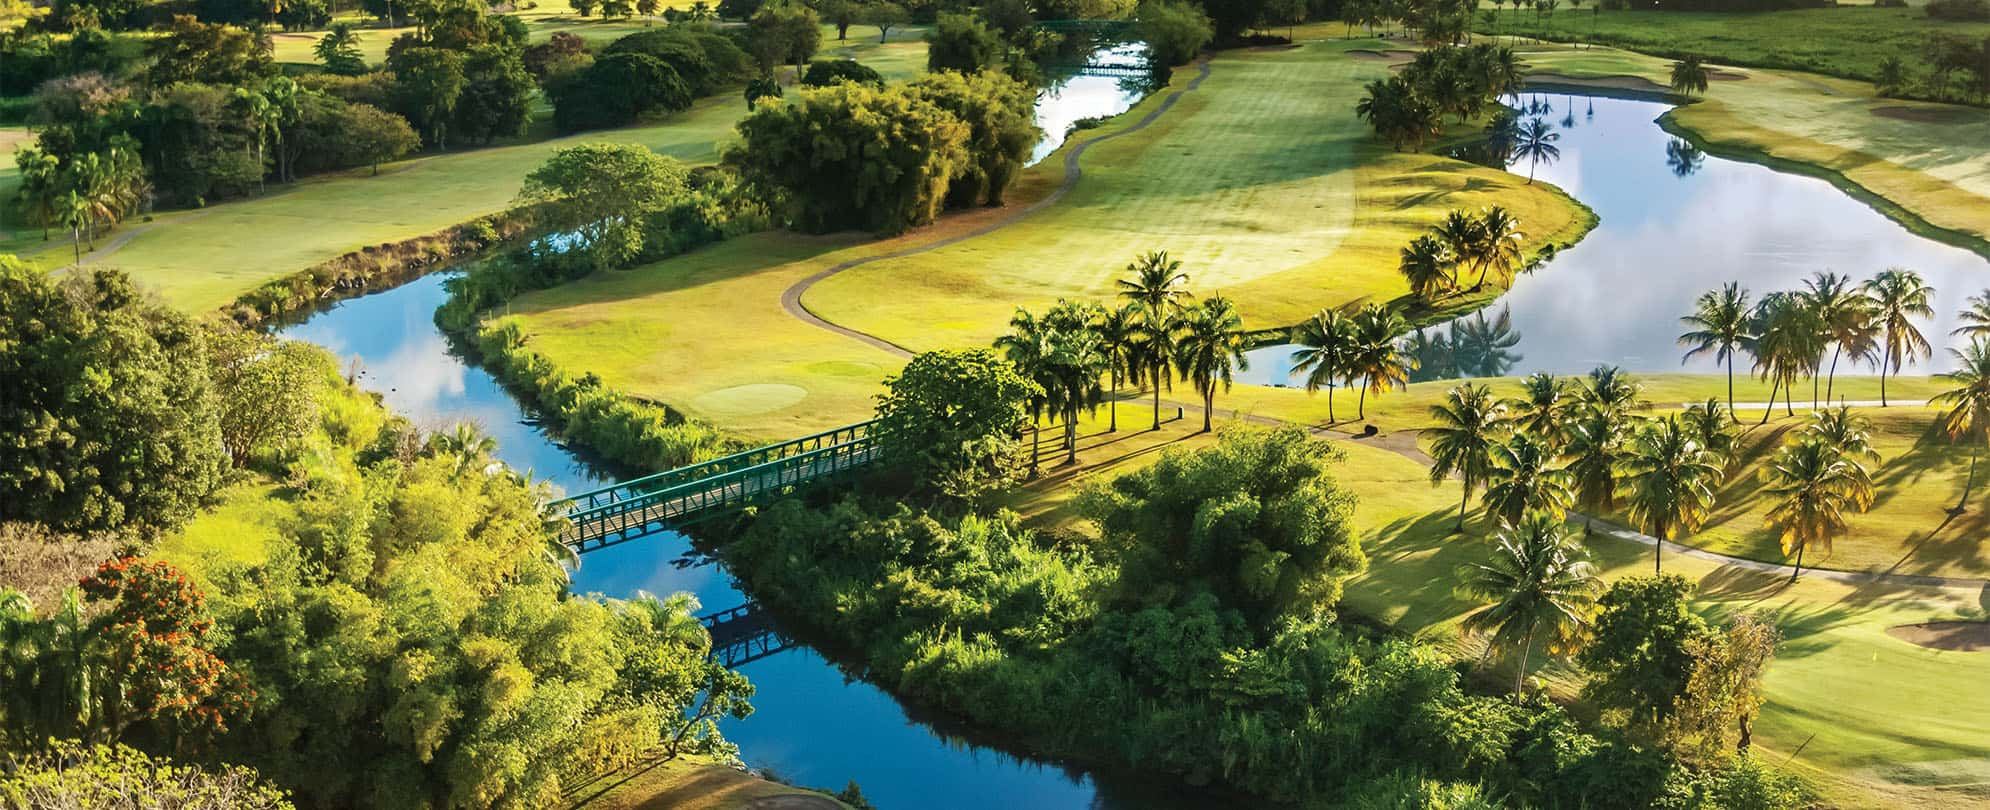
x=1719, y=325
x=1689, y=76
x=1967, y=417
x=1157, y=284
x=1377, y=358
x=1814, y=484
x=1524, y=479
x=1326, y=352
x=1669, y=482
x=1543, y=408
x=1540, y=587
x=1469, y=423
x=1499, y=245
x=1536, y=144
x=1595, y=450
x=1789, y=344
x=1119, y=340
x=1846, y=316
x=1210, y=350
x=1899, y=296
x=1427, y=264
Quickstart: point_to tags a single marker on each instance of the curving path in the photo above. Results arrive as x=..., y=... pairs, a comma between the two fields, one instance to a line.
x=1402, y=443
x=791, y=298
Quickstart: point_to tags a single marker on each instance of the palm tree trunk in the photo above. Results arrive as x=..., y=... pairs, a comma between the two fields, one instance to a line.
x=1520, y=675
x=1464, y=503
x=1330, y=404
x=1969, y=484
x=1071, y=437
x=1730, y=389
x=1112, y=404
x=1658, y=549
x=1208, y=405
x=1885, y=360
x=1799, y=566
x=1036, y=443
x=1158, y=371
x=1771, y=407
x=1361, y=405
x=1831, y=383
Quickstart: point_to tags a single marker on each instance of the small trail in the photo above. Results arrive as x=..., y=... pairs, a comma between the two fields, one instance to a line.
x=1402, y=443
x=791, y=298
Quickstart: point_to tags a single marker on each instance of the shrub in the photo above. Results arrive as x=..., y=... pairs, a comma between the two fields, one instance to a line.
x=68, y=774
x=1958, y=10
x=1175, y=30
x=963, y=43
x=825, y=72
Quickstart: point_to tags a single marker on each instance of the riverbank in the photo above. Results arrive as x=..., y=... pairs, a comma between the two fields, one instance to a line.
x=1927, y=166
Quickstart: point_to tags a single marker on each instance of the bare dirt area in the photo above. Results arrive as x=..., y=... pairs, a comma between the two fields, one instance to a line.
x=1950, y=636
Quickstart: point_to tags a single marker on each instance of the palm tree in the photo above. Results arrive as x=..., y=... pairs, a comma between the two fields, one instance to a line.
x=1611, y=388
x=1711, y=426
x=467, y=445
x=1968, y=403
x=1119, y=339
x=1595, y=451
x=1482, y=347
x=1689, y=76
x=1789, y=343
x=1327, y=342
x=1523, y=479
x=1027, y=347
x=1814, y=484
x=672, y=619
x=1157, y=285
x=1470, y=422
x=1539, y=585
x=1899, y=295
x=1845, y=431
x=1542, y=408
x=1377, y=359
x=1669, y=480
x=1845, y=313
x=1499, y=244
x=75, y=214
x=1719, y=323
x=1427, y=265
x=1154, y=352
x=1211, y=348
x=1536, y=144
x=1071, y=372
x=1975, y=317
x=1459, y=233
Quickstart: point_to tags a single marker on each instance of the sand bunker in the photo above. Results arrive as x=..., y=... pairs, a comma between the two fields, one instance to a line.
x=1924, y=115
x=1951, y=636
x=1383, y=56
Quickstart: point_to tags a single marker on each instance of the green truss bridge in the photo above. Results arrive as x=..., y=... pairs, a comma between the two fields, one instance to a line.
x=687, y=495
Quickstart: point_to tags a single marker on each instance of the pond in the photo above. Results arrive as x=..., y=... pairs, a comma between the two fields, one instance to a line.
x=1098, y=90
x=812, y=725
x=1676, y=223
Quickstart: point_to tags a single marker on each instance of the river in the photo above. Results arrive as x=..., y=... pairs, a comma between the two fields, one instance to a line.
x=1676, y=223
x=811, y=724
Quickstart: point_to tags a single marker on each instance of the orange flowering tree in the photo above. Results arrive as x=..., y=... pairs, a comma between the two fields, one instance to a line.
x=154, y=641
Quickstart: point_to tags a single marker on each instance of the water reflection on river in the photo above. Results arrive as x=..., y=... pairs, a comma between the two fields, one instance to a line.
x=1676, y=222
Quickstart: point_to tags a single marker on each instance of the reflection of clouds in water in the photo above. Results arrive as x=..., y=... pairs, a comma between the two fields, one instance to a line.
x=1663, y=240
x=424, y=382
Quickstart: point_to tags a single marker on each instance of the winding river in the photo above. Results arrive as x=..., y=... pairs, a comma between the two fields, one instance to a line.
x=812, y=724
x=1674, y=224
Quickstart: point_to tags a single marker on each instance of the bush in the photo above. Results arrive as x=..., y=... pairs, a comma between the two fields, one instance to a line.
x=950, y=421
x=1958, y=10
x=68, y=774
x=963, y=43
x=1000, y=114
x=825, y=72
x=617, y=88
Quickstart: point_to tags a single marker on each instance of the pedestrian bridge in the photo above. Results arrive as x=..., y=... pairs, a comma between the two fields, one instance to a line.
x=689, y=494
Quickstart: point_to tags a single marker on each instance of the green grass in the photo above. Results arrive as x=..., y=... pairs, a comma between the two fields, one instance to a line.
x=1262, y=182
x=237, y=528
x=1847, y=41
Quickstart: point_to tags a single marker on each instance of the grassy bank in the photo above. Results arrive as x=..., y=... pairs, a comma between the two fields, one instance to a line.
x=1845, y=41
x=1925, y=165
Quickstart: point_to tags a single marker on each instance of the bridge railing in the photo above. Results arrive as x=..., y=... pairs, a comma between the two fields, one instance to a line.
x=635, y=488
x=635, y=511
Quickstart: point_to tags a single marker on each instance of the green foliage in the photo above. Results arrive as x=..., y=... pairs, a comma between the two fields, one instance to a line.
x=106, y=419
x=497, y=95
x=963, y=43
x=1175, y=30
x=950, y=419
x=783, y=33
x=885, y=15
x=706, y=61
x=762, y=87
x=266, y=391
x=66, y=774
x=617, y=88
x=1408, y=108
x=428, y=82
x=1000, y=114
x=193, y=51
x=825, y=72
x=602, y=192
x=1256, y=521
x=338, y=51
x=852, y=156
x=1640, y=654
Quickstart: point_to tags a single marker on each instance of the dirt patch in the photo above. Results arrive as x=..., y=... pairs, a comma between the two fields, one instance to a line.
x=1718, y=75
x=1634, y=83
x=1950, y=636
x=1383, y=56
x=1924, y=115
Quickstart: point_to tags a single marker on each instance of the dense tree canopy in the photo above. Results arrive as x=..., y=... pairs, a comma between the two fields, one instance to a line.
x=852, y=156
x=951, y=418
x=964, y=43
x=106, y=419
x=1000, y=114
x=601, y=191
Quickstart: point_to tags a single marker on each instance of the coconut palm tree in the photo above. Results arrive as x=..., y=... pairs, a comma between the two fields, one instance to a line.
x=1210, y=350
x=672, y=619
x=1427, y=265
x=1719, y=324
x=1814, y=484
x=1154, y=352
x=1789, y=344
x=1499, y=245
x=1027, y=347
x=1536, y=143
x=1899, y=296
x=1470, y=422
x=1846, y=315
x=1158, y=286
x=1523, y=479
x=1845, y=431
x=1668, y=480
x=1377, y=359
x=1326, y=341
x=1459, y=233
x=467, y=445
x=1071, y=372
x=1975, y=317
x=1689, y=76
x=1611, y=388
x=1595, y=451
x=1540, y=586
x=1711, y=425
x=1968, y=404
x=1119, y=339
x=1543, y=408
